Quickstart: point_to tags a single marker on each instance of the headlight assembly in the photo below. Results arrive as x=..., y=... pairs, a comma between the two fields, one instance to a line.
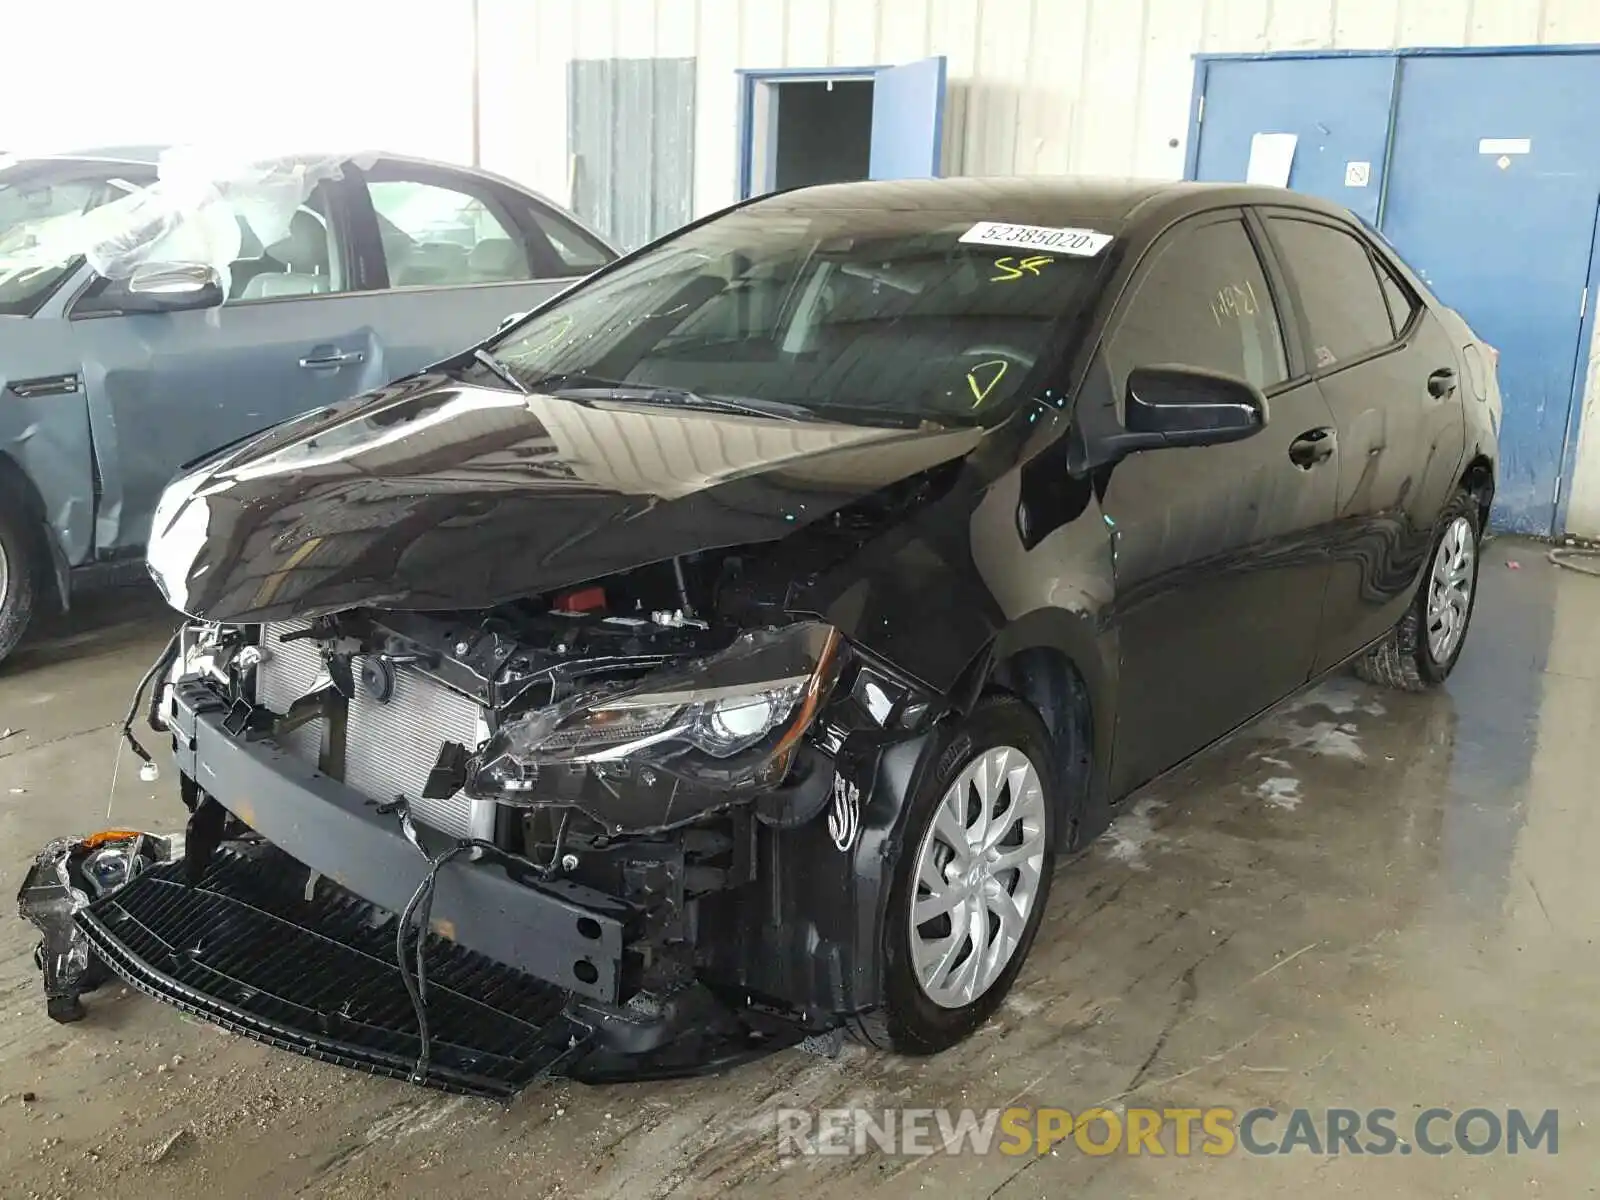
x=729, y=721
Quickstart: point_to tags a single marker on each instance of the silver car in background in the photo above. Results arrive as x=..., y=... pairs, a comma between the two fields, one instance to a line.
x=156, y=303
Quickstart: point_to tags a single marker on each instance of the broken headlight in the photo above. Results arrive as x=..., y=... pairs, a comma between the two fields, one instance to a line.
x=728, y=721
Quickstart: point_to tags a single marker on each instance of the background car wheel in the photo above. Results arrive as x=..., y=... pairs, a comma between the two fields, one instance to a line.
x=970, y=882
x=18, y=567
x=1422, y=648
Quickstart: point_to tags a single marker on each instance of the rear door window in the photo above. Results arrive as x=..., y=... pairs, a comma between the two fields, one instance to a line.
x=574, y=251
x=1346, y=311
x=1203, y=301
x=435, y=235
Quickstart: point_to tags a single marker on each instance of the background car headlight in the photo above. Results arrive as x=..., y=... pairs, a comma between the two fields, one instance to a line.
x=728, y=721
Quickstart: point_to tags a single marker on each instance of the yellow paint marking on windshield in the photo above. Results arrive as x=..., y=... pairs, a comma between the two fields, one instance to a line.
x=981, y=390
x=557, y=331
x=1014, y=268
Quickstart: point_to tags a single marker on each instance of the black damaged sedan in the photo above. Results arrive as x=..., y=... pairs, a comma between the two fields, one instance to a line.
x=725, y=654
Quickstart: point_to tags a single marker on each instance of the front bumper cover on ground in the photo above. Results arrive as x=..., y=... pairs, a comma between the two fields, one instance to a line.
x=319, y=977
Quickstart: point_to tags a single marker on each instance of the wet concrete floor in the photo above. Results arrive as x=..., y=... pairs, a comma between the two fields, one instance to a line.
x=1367, y=900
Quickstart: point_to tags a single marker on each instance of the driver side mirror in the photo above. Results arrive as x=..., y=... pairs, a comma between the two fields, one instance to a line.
x=171, y=287
x=1184, y=406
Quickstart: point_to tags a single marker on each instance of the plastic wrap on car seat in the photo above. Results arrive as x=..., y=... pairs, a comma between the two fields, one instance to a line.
x=191, y=214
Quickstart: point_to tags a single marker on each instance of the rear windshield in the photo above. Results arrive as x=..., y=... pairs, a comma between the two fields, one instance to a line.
x=874, y=311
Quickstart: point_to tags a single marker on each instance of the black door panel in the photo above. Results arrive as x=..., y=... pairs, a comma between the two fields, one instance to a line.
x=1388, y=372
x=1401, y=449
x=1218, y=551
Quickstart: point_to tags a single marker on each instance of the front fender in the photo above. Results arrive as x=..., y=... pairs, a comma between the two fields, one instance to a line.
x=810, y=931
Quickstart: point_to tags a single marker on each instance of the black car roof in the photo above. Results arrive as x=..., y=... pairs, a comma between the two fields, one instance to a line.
x=1115, y=206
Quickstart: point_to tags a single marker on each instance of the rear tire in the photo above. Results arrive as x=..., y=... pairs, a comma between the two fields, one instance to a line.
x=1421, y=650
x=18, y=579
x=976, y=894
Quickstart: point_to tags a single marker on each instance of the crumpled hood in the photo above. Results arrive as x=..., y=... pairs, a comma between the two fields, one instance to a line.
x=435, y=494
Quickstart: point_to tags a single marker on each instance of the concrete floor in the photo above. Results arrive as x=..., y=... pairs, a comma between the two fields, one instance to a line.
x=1366, y=900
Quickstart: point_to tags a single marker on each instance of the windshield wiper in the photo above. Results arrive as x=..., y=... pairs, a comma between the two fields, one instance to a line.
x=499, y=370
x=682, y=398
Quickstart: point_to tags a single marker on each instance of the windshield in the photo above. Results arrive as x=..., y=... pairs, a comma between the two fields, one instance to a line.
x=241, y=216
x=31, y=206
x=876, y=311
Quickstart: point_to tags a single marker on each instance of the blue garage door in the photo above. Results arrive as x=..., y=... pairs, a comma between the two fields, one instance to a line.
x=1493, y=186
x=1338, y=108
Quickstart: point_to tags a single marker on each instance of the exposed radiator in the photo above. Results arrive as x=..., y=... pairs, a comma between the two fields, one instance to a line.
x=286, y=672
x=390, y=746
x=393, y=745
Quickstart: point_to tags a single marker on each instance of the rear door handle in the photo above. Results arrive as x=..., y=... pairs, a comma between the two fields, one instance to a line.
x=332, y=362
x=1312, y=447
x=1442, y=382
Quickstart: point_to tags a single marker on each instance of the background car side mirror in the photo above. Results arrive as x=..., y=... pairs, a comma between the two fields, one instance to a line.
x=171, y=287
x=1185, y=406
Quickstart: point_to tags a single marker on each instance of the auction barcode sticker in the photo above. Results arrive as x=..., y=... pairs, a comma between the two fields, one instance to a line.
x=1085, y=242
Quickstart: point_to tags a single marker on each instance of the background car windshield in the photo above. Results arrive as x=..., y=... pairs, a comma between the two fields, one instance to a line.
x=854, y=309
x=27, y=209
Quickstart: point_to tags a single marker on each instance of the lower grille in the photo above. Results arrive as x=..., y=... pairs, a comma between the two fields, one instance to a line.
x=390, y=746
x=246, y=950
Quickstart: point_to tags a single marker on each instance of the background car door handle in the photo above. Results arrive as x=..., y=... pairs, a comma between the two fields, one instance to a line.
x=1311, y=447
x=324, y=362
x=1442, y=382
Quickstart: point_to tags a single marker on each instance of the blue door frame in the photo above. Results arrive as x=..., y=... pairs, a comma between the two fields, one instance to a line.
x=1529, y=439
x=749, y=81
x=907, y=118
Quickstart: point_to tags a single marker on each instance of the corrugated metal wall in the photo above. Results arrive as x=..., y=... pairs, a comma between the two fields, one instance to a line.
x=1048, y=86
x=630, y=141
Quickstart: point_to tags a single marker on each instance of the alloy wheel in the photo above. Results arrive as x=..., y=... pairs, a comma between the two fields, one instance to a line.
x=1454, y=575
x=978, y=872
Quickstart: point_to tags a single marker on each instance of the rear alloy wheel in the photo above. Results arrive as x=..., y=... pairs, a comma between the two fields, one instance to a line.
x=1422, y=648
x=16, y=581
x=970, y=884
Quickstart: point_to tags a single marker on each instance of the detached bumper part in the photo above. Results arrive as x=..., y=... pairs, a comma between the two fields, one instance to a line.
x=318, y=977
x=65, y=875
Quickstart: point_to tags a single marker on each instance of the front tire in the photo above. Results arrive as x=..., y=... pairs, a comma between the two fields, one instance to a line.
x=1421, y=650
x=970, y=883
x=18, y=580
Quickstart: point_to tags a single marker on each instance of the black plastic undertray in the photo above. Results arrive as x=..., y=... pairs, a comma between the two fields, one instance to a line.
x=246, y=950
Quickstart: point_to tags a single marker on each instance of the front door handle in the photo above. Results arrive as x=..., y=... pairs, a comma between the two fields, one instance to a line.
x=332, y=362
x=1312, y=447
x=1442, y=382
